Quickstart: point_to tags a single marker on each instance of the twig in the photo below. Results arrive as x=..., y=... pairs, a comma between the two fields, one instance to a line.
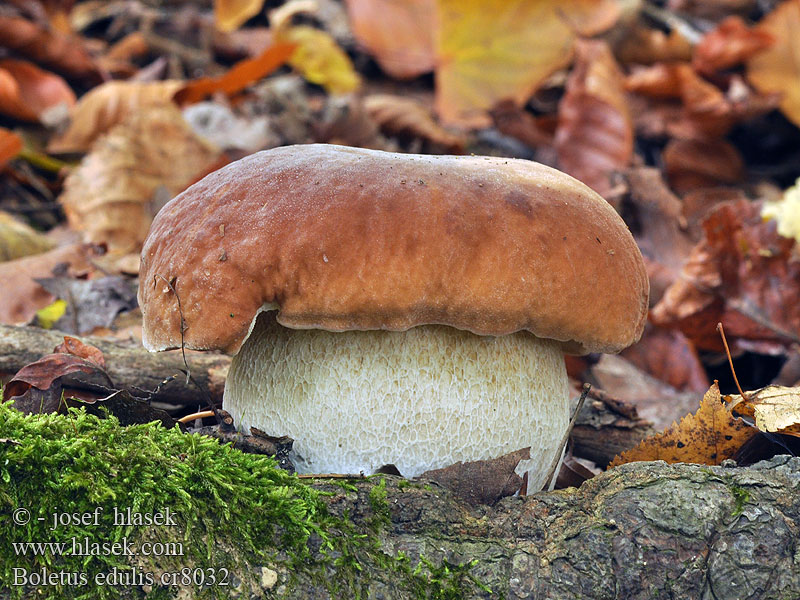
x=721, y=330
x=552, y=474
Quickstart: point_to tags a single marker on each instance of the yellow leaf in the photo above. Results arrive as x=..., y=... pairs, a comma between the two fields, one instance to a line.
x=490, y=51
x=320, y=59
x=786, y=212
x=229, y=15
x=51, y=313
x=777, y=69
x=18, y=240
x=775, y=408
x=707, y=437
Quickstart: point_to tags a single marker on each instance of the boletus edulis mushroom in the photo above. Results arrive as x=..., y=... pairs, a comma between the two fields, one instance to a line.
x=389, y=308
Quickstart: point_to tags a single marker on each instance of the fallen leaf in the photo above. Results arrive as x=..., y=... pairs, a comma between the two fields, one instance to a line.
x=400, y=35
x=128, y=409
x=46, y=317
x=776, y=409
x=777, y=69
x=515, y=121
x=319, y=59
x=595, y=131
x=692, y=164
x=743, y=274
x=18, y=239
x=37, y=387
x=482, y=481
x=232, y=14
x=90, y=303
x=10, y=145
x=46, y=46
x=644, y=45
x=28, y=93
x=487, y=52
x=786, y=212
x=238, y=77
x=731, y=43
x=76, y=347
x=108, y=105
x=403, y=117
x=22, y=296
x=658, y=225
x=707, y=437
x=111, y=197
x=670, y=357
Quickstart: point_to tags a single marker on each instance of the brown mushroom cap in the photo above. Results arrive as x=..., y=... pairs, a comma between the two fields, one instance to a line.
x=343, y=238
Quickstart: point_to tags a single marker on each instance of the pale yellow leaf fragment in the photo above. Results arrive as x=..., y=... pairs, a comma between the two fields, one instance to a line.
x=786, y=212
x=776, y=409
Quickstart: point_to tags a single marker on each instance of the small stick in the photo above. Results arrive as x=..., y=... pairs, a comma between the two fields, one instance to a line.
x=721, y=330
x=552, y=474
x=197, y=415
x=332, y=476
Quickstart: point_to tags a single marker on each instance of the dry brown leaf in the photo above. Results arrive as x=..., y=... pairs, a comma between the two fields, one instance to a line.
x=400, y=116
x=490, y=51
x=693, y=164
x=742, y=274
x=27, y=92
x=10, y=145
x=776, y=409
x=22, y=296
x=669, y=356
x=707, y=437
x=76, y=347
x=777, y=69
x=18, y=240
x=238, y=77
x=108, y=105
x=730, y=44
x=595, y=131
x=400, y=35
x=647, y=46
x=63, y=53
x=232, y=14
x=515, y=121
x=114, y=193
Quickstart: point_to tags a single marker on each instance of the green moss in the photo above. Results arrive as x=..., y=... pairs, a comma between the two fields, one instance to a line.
x=740, y=497
x=230, y=509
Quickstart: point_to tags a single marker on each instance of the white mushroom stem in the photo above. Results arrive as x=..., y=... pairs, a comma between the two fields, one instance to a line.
x=419, y=399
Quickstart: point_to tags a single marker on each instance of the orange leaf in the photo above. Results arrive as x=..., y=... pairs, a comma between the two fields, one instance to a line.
x=76, y=347
x=232, y=14
x=238, y=77
x=27, y=92
x=595, y=130
x=490, y=51
x=707, y=437
x=10, y=145
x=731, y=43
x=777, y=69
x=400, y=35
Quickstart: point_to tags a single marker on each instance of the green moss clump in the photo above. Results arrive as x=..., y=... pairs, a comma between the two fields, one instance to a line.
x=740, y=497
x=230, y=509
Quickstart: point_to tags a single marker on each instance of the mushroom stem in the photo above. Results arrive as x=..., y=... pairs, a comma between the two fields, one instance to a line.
x=419, y=399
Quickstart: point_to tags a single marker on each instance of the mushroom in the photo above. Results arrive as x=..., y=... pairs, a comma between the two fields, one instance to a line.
x=388, y=308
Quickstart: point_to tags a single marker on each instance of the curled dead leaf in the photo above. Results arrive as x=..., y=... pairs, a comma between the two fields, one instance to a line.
x=731, y=43
x=108, y=105
x=707, y=437
x=595, y=131
x=28, y=93
x=776, y=409
x=400, y=116
x=112, y=196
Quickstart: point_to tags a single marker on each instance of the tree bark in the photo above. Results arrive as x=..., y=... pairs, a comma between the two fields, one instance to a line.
x=640, y=531
x=127, y=363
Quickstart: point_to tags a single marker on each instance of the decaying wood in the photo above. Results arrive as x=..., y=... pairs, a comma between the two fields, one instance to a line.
x=127, y=363
x=606, y=427
x=640, y=531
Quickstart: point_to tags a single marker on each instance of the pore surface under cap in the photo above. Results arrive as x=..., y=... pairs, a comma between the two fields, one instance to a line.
x=344, y=238
x=420, y=399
